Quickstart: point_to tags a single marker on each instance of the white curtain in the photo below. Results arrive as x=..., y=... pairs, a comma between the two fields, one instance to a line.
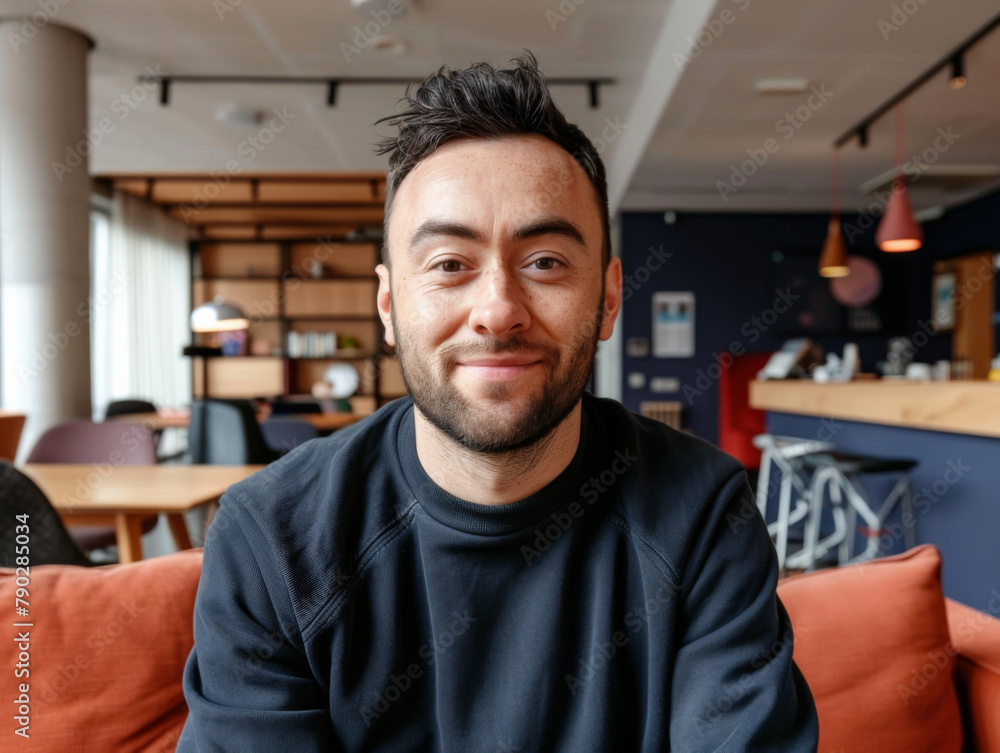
x=140, y=308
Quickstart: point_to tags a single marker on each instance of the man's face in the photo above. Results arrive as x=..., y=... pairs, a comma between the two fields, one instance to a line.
x=497, y=296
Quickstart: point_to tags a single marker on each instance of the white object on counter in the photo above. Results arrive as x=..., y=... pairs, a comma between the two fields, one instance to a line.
x=919, y=371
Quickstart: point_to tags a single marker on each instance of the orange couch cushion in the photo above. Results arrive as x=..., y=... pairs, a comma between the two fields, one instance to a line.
x=976, y=637
x=107, y=651
x=872, y=642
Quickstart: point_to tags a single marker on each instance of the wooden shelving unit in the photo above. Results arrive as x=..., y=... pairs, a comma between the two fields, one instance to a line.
x=267, y=279
x=257, y=238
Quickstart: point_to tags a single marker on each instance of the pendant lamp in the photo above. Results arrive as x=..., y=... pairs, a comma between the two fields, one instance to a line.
x=833, y=260
x=899, y=231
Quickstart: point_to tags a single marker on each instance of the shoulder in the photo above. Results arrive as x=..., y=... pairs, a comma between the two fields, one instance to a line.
x=676, y=485
x=310, y=514
x=683, y=462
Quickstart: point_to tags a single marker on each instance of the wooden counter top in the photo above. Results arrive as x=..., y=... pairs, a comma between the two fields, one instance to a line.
x=962, y=407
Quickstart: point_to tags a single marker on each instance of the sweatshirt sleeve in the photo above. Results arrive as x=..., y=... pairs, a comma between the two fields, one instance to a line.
x=247, y=683
x=735, y=686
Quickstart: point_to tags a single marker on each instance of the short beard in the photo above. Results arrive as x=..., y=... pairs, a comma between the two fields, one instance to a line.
x=454, y=415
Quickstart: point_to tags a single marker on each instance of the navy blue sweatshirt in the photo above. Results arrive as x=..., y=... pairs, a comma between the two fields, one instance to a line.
x=348, y=603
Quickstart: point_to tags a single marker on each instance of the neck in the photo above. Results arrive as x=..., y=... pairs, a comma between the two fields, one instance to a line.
x=496, y=479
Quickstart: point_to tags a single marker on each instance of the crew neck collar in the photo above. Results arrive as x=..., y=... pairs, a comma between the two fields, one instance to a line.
x=483, y=519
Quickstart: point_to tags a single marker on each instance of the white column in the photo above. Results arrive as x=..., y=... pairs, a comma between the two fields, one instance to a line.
x=44, y=225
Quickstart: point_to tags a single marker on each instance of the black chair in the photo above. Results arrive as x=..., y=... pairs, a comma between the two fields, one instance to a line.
x=129, y=407
x=284, y=434
x=281, y=407
x=226, y=432
x=50, y=543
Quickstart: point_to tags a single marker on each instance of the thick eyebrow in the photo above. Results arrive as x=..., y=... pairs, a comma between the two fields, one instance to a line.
x=438, y=228
x=552, y=226
x=549, y=226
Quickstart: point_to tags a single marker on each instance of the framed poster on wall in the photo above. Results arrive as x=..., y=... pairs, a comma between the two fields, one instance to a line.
x=943, y=302
x=673, y=324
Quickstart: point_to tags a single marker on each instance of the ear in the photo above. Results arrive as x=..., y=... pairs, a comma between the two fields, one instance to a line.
x=383, y=300
x=612, y=296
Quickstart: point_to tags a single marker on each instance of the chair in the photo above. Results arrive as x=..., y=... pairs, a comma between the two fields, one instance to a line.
x=842, y=475
x=11, y=425
x=786, y=454
x=131, y=407
x=128, y=407
x=226, y=432
x=86, y=442
x=283, y=434
x=282, y=407
x=49, y=541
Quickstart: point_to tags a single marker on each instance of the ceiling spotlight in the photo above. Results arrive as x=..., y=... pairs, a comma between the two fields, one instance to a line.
x=235, y=116
x=781, y=85
x=388, y=44
x=958, y=80
x=381, y=8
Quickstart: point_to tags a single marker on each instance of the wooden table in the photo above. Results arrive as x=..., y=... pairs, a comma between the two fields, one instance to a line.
x=157, y=420
x=324, y=422
x=123, y=495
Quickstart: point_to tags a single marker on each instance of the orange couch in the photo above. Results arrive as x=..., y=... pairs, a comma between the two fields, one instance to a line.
x=892, y=664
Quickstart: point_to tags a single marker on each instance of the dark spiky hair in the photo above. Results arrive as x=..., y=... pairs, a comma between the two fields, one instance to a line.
x=488, y=103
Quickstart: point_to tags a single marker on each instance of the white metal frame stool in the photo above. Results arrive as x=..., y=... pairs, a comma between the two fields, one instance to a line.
x=842, y=474
x=786, y=453
x=813, y=549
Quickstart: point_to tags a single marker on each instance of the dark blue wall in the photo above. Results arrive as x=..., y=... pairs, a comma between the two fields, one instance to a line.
x=726, y=260
x=973, y=227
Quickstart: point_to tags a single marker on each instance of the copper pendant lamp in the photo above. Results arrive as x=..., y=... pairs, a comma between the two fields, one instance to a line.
x=899, y=231
x=833, y=260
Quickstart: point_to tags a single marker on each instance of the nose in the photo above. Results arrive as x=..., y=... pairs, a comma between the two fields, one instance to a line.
x=498, y=307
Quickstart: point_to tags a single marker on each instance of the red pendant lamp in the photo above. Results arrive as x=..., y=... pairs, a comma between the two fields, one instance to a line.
x=833, y=260
x=899, y=231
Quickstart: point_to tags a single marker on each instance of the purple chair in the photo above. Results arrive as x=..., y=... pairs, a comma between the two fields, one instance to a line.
x=85, y=442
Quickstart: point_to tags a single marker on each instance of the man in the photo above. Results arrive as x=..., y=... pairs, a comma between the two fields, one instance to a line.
x=501, y=562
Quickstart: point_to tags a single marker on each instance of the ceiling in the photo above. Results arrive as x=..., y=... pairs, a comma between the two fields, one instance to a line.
x=715, y=115
x=681, y=129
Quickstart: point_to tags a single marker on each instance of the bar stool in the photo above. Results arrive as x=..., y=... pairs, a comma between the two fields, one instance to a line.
x=788, y=455
x=841, y=475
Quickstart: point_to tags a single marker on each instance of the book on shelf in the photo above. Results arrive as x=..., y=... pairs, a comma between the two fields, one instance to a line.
x=311, y=344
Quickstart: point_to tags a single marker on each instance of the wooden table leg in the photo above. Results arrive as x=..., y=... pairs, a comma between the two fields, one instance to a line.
x=178, y=527
x=128, y=531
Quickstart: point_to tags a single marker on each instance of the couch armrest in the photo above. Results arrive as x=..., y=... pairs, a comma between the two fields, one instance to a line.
x=975, y=636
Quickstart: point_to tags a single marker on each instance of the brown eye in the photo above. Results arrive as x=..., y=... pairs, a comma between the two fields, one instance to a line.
x=450, y=266
x=546, y=264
